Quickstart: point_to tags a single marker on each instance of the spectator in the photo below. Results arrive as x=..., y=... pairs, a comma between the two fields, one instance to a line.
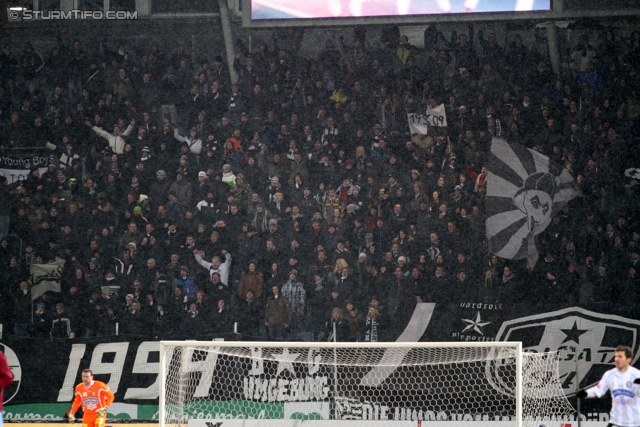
x=41, y=326
x=192, y=322
x=22, y=311
x=221, y=318
x=294, y=292
x=186, y=284
x=61, y=327
x=250, y=312
x=278, y=315
x=252, y=280
x=354, y=319
x=337, y=329
x=372, y=328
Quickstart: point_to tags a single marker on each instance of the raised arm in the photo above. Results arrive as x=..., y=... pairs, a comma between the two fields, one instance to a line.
x=128, y=130
x=103, y=133
x=202, y=262
x=227, y=261
x=176, y=135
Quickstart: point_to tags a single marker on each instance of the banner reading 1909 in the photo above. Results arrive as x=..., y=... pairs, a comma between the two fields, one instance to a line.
x=420, y=123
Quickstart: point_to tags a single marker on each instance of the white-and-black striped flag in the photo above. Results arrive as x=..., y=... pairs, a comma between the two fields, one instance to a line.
x=524, y=191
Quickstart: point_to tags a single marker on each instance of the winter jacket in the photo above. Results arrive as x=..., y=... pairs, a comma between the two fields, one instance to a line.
x=253, y=281
x=115, y=142
x=278, y=311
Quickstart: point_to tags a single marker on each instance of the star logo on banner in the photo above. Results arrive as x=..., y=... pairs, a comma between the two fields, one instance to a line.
x=574, y=333
x=476, y=324
x=285, y=361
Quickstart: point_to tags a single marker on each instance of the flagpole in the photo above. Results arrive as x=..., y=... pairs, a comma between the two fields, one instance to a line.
x=578, y=409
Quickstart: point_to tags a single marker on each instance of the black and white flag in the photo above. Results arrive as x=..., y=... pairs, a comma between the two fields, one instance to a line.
x=524, y=191
x=46, y=277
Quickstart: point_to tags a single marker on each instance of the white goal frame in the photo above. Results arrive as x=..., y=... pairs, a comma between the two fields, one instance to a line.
x=514, y=346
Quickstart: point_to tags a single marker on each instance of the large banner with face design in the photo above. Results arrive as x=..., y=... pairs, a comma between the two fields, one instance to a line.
x=524, y=190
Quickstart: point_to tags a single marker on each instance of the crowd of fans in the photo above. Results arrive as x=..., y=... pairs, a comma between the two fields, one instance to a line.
x=295, y=204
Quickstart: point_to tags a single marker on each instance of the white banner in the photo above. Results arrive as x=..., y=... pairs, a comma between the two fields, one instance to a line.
x=419, y=123
x=437, y=116
x=14, y=175
x=15, y=168
x=46, y=277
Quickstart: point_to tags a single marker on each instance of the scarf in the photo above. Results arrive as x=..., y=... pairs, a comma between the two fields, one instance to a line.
x=371, y=330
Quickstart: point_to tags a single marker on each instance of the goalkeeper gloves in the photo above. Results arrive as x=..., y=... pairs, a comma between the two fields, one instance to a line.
x=581, y=393
x=71, y=417
x=102, y=412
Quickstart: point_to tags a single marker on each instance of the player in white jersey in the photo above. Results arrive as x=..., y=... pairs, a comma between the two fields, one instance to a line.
x=623, y=382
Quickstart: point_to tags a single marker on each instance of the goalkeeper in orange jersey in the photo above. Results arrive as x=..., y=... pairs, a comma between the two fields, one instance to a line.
x=95, y=398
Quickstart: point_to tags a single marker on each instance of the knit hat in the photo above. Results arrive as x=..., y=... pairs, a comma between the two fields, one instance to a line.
x=137, y=209
x=161, y=173
x=202, y=173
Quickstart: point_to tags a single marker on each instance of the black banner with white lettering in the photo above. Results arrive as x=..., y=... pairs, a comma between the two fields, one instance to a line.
x=46, y=372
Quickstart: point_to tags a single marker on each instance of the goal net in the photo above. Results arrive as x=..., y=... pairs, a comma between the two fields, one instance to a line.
x=256, y=384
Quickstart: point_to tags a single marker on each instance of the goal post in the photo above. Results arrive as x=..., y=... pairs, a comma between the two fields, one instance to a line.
x=256, y=384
